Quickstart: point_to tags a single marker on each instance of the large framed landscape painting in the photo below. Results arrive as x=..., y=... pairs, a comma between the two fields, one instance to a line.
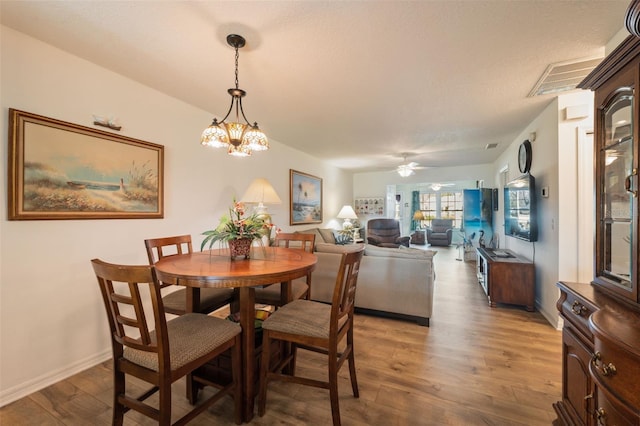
x=60, y=170
x=305, y=195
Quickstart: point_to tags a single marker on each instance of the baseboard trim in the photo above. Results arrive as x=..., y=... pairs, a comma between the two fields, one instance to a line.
x=14, y=393
x=554, y=319
x=420, y=320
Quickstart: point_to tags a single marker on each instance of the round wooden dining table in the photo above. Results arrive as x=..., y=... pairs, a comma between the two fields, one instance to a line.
x=215, y=268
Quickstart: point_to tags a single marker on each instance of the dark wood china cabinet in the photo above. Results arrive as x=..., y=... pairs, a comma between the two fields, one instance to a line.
x=601, y=332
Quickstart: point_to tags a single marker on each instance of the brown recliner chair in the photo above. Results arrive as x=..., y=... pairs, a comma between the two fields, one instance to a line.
x=385, y=233
x=439, y=233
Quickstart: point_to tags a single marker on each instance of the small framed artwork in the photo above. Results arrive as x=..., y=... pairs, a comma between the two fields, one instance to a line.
x=369, y=206
x=60, y=170
x=305, y=198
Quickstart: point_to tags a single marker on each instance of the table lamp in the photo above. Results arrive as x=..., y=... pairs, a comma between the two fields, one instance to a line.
x=418, y=216
x=347, y=214
x=261, y=192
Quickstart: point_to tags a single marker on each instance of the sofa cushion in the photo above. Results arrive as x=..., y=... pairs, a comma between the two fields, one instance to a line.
x=322, y=235
x=336, y=248
x=403, y=252
x=327, y=235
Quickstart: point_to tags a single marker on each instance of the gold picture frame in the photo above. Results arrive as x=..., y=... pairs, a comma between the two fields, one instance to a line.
x=61, y=170
x=305, y=198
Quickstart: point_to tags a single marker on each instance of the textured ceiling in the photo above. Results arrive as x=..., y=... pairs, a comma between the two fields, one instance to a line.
x=354, y=82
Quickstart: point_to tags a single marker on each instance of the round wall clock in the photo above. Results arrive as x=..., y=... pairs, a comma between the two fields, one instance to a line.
x=524, y=157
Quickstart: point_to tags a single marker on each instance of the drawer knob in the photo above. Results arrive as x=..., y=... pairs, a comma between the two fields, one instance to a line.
x=578, y=308
x=601, y=415
x=604, y=369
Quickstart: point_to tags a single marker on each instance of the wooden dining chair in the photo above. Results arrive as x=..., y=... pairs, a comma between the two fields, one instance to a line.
x=318, y=327
x=300, y=288
x=159, y=357
x=175, y=302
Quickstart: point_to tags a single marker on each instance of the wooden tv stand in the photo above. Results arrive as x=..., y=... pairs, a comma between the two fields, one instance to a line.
x=506, y=277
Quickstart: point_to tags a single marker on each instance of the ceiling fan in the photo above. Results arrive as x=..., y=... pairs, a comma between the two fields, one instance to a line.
x=407, y=169
x=439, y=186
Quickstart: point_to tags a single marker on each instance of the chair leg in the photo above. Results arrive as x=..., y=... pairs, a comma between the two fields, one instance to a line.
x=333, y=386
x=192, y=390
x=294, y=356
x=236, y=372
x=119, y=387
x=264, y=372
x=164, y=402
x=352, y=364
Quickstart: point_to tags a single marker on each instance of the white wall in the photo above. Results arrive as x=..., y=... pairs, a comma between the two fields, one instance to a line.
x=52, y=321
x=575, y=249
x=554, y=165
x=544, y=167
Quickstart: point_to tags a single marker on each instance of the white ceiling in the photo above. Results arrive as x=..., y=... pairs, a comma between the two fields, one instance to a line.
x=354, y=82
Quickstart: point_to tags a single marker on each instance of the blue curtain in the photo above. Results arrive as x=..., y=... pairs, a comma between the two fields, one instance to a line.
x=415, y=205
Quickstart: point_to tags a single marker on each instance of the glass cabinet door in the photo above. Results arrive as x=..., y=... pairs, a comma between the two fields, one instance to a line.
x=618, y=184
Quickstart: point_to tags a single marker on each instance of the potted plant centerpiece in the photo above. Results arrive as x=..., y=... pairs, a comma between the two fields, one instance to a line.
x=238, y=231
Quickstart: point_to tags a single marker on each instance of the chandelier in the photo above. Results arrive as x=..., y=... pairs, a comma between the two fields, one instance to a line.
x=405, y=170
x=240, y=139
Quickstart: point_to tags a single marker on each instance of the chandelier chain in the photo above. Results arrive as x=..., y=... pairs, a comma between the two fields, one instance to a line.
x=237, y=56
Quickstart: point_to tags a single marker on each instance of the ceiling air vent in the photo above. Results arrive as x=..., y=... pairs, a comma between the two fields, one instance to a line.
x=564, y=76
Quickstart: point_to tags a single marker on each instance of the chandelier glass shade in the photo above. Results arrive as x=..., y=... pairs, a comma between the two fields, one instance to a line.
x=405, y=171
x=239, y=138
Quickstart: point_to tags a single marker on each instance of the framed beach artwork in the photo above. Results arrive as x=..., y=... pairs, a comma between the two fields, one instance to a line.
x=60, y=170
x=305, y=195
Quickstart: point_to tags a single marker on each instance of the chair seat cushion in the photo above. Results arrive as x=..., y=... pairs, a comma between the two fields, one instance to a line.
x=302, y=317
x=210, y=299
x=190, y=337
x=271, y=295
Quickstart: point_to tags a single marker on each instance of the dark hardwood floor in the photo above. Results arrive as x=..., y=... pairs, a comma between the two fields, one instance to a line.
x=474, y=366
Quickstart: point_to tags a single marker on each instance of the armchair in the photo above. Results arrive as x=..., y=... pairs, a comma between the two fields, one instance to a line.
x=439, y=233
x=385, y=233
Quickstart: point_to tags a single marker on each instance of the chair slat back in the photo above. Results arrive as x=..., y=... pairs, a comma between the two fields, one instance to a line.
x=120, y=288
x=344, y=292
x=158, y=248
x=305, y=242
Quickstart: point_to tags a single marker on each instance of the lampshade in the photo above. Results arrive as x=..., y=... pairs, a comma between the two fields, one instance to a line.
x=347, y=212
x=418, y=215
x=260, y=191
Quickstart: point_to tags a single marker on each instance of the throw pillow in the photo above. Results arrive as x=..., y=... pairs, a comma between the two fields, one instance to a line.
x=328, y=236
x=315, y=231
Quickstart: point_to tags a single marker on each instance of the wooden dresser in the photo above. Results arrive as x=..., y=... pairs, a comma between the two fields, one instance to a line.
x=601, y=334
x=600, y=358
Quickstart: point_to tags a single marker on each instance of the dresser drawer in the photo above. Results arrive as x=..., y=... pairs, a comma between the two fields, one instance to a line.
x=616, y=371
x=577, y=311
x=609, y=413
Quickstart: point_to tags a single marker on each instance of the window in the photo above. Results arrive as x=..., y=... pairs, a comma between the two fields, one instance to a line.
x=444, y=205
x=451, y=207
x=428, y=205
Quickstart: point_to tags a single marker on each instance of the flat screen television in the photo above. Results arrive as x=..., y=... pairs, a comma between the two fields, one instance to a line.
x=520, y=219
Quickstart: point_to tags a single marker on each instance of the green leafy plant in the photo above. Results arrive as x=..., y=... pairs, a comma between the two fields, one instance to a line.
x=235, y=226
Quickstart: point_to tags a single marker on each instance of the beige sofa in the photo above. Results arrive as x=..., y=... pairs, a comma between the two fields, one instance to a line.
x=393, y=282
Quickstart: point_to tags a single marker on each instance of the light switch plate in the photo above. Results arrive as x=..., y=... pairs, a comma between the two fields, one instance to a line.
x=545, y=192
